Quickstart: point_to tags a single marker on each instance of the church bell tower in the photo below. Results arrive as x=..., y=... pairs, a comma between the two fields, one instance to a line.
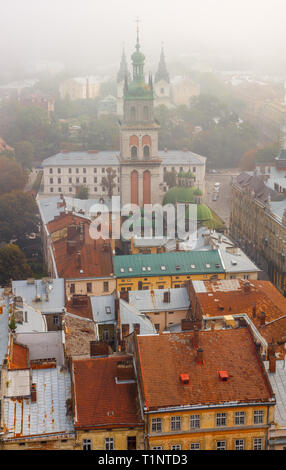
x=139, y=158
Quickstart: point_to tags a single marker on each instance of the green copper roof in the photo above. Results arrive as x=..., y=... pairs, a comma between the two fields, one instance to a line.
x=163, y=264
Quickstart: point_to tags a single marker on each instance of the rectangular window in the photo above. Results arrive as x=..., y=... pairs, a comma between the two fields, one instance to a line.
x=221, y=419
x=109, y=443
x=70, y=180
x=89, y=287
x=131, y=443
x=156, y=425
x=175, y=423
x=239, y=417
x=51, y=180
x=239, y=444
x=26, y=317
x=258, y=417
x=95, y=180
x=56, y=320
x=195, y=421
x=59, y=180
x=157, y=448
x=84, y=180
x=72, y=288
x=51, y=171
x=59, y=170
x=77, y=170
x=84, y=170
x=77, y=180
x=95, y=170
x=70, y=190
x=195, y=446
x=51, y=190
x=70, y=170
x=60, y=190
x=176, y=447
x=86, y=444
x=105, y=286
x=221, y=445
x=95, y=189
x=102, y=170
x=257, y=443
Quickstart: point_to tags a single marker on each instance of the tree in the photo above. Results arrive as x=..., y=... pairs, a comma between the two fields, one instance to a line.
x=18, y=216
x=13, y=264
x=108, y=181
x=24, y=152
x=248, y=159
x=12, y=175
x=82, y=192
x=170, y=178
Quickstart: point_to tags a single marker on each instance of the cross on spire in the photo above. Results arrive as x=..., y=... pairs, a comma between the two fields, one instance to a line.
x=137, y=21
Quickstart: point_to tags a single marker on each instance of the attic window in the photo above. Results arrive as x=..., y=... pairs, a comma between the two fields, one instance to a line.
x=163, y=268
x=108, y=309
x=178, y=267
x=149, y=268
x=143, y=268
x=130, y=270
x=122, y=270
x=223, y=375
x=193, y=266
x=217, y=266
x=208, y=265
x=185, y=379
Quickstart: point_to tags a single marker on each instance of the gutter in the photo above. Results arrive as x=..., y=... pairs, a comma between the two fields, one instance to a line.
x=209, y=407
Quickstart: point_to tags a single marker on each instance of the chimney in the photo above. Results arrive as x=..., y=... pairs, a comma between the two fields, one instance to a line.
x=33, y=393
x=98, y=348
x=262, y=318
x=272, y=364
x=125, y=370
x=254, y=310
x=246, y=287
x=200, y=356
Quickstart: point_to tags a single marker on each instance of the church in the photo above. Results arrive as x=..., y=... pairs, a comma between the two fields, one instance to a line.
x=140, y=167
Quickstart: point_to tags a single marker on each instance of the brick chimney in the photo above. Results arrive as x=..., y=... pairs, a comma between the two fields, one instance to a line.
x=125, y=370
x=272, y=364
x=200, y=356
x=262, y=317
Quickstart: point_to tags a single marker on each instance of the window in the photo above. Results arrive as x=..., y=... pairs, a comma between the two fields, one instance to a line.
x=70, y=180
x=95, y=170
x=145, y=113
x=239, y=417
x=156, y=425
x=59, y=180
x=220, y=445
x=56, y=320
x=157, y=326
x=51, y=180
x=77, y=180
x=51, y=170
x=109, y=443
x=175, y=423
x=51, y=190
x=108, y=309
x=131, y=443
x=176, y=447
x=105, y=335
x=102, y=170
x=221, y=419
x=105, y=286
x=146, y=152
x=77, y=170
x=59, y=170
x=86, y=444
x=72, y=288
x=239, y=444
x=195, y=421
x=257, y=443
x=84, y=180
x=70, y=170
x=133, y=113
x=134, y=152
x=95, y=189
x=195, y=446
x=95, y=179
x=89, y=287
x=258, y=417
x=70, y=189
x=60, y=190
x=84, y=170
x=157, y=448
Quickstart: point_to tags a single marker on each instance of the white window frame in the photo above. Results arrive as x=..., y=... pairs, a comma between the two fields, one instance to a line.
x=156, y=425
x=195, y=421
x=109, y=443
x=176, y=423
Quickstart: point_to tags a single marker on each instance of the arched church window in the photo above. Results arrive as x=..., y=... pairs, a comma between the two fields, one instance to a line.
x=134, y=152
x=146, y=152
x=133, y=113
x=146, y=113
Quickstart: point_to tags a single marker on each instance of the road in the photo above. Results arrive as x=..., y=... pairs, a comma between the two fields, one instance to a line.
x=222, y=205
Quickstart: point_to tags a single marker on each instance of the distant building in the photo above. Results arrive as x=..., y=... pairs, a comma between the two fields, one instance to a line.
x=107, y=105
x=162, y=87
x=80, y=88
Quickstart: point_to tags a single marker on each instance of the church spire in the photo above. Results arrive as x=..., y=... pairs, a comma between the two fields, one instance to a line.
x=123, y=70
x=162, y=72
x=138, y=60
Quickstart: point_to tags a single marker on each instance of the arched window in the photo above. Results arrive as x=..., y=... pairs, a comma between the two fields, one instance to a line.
x=134, y=152
x=145, y=113
x=146, y=152
x=133, y=113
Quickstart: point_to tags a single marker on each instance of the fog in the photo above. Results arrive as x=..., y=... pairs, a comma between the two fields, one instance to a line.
x=88, y=35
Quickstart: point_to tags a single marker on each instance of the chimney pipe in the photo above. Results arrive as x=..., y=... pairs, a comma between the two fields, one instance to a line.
x=272, y=364
x=262, y=318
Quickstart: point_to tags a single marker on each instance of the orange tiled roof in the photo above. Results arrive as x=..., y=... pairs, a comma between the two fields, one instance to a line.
x=95, y=259
x=262, y=294
x=20, y=357
x=83, y=311
x=100, y=401
x=164, y=357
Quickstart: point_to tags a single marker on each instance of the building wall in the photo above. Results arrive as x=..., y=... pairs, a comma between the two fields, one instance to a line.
x=164, y=282
x=260, y=235
x=97, y=286
x=164, y=319
x=41, y=443
x=209, y=433
x=252, y=276
x=119, y=435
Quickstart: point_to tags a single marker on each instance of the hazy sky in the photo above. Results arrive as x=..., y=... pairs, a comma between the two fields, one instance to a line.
x=93, y=31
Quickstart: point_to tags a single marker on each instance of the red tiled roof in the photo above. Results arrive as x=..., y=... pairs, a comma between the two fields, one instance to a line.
x=99, y=401
x=163, y=358
x=261, y=294
x=83, y=311
x=20, y=357
x=95, y=259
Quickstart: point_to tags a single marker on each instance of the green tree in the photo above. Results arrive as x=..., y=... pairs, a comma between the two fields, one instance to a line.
x=24, y=152
x=13, y=264
x=170, y=177
x=18, y=216
x=82, y=192
x=108, y=181
x=12, y=175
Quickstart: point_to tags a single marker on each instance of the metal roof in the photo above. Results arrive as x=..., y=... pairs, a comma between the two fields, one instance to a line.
x=180, y=157
x=45, y=416
x=105, y=158
x=278, y=383
x=129, y=315
x=164, y=264
x=153, y=300
x=103, y=308
x=50, y=294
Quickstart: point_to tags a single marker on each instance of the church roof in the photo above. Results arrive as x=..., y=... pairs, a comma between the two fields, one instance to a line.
x=123, y=70
x=162, y=72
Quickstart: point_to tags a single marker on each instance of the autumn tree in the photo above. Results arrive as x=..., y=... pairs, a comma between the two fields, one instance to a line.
x=248, y=159
x=13, y=264
x=108, y=181
x=12, y=176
